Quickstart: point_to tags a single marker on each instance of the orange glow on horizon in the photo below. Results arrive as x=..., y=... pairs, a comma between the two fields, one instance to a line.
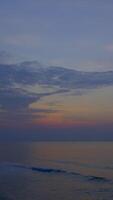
x=58, y=120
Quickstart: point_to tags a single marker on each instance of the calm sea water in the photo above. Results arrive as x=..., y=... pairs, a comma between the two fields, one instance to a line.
x=56, y=171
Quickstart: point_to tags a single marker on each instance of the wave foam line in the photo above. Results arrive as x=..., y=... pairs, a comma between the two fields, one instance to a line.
x=59, y=171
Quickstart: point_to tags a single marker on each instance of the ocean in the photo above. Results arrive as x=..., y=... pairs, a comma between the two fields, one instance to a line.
x=56, y=171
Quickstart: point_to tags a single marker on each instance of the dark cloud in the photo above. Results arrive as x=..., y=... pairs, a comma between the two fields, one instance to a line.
x=41, y=133
x=15, y=101
x=62, y=80
x=27, y=74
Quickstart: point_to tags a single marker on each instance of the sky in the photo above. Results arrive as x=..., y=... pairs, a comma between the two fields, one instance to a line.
x=42, y=43
x=70, y=33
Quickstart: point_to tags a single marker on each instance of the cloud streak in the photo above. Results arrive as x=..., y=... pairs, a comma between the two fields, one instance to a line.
x=25, y=83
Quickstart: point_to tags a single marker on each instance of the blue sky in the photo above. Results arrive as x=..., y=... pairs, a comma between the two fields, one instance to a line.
x=72, y=33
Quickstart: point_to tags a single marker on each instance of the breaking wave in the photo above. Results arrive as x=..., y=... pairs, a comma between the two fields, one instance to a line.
x=91, y=178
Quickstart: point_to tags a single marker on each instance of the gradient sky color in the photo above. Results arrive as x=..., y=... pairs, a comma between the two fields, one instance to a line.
x=75, y=34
